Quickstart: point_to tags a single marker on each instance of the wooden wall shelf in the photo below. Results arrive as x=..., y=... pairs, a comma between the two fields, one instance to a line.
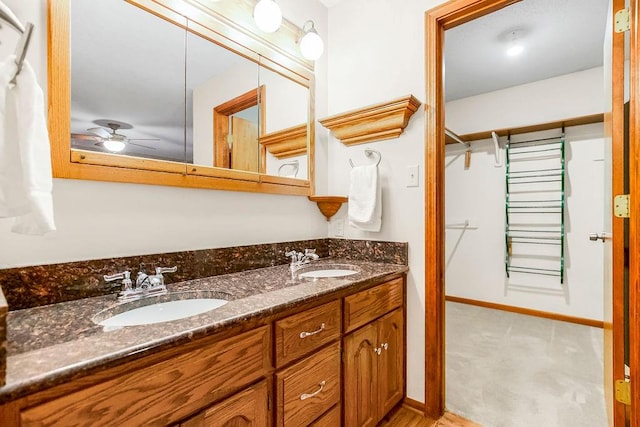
x=329, y=205
x=373, y=123
x=287, y=142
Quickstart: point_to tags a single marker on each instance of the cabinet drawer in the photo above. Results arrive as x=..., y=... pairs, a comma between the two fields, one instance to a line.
x=365, y=306
x=302, y=333
x=307, y=389
x=330, y=419
x=246, y=408
x=165, y=392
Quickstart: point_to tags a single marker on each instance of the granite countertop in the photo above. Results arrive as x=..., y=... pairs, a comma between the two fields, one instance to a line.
x=52, y=344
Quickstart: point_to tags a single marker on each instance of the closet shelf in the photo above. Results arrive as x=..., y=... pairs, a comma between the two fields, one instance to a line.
x=373, y=123
x=329, y=205
x=574, y=121
x=287, y=142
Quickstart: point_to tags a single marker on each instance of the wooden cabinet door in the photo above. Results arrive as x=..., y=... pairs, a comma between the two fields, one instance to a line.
x=360, y=378
x=390, y=361
x=248, y=408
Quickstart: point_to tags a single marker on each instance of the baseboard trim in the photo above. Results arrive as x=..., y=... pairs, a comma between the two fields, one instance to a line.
x=528, y=311
x=413, y=405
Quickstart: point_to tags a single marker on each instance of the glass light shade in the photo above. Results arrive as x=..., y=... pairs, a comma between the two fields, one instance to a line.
x=311, y=45
x=267, y=15
x=515, y=49
x=113, y=145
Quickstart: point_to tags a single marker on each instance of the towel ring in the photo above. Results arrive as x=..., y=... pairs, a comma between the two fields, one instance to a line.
x=369, y=153
x=295, y=165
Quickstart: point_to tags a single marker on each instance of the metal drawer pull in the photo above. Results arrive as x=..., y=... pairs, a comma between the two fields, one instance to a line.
x=308, y=334
x=378, y=350
x=306, y=396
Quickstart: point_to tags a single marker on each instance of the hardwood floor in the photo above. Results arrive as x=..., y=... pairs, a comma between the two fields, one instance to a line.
x=407, y=417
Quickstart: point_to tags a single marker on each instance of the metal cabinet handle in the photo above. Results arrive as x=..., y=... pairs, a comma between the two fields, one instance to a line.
x=378, y=350
x=306, y=396
x=308, y=334
x=385, y=346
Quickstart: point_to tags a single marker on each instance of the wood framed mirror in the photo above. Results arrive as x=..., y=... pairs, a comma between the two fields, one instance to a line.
x=172, y=146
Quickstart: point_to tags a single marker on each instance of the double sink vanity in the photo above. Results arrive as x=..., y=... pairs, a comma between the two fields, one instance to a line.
x=281, y=348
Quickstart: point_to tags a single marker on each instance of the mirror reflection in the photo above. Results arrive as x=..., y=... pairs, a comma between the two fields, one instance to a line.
x=146, y=88
x=127, y=87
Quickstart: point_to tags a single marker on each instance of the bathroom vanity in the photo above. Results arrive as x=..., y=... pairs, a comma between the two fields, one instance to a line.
x=282, y=351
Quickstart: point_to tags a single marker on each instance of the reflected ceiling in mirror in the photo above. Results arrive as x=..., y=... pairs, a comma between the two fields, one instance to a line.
x=127, y=86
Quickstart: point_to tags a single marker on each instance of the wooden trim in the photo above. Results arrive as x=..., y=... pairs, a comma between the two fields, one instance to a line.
x=329, y=205
x=634, y=222
x=286, y=143
x=413, y=405
x=448, y=15
x=221, y=115
x=116, y=160
x=373, y=123
x=528, y=311
x=576, y=121
x=282, y=180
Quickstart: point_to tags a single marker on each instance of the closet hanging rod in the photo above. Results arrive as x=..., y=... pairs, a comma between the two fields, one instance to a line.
x=9, y=18
x=455, y=137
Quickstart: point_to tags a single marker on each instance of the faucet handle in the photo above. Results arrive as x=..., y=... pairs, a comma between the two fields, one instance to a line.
x=160, y=270
x=125, y=275
x=309, y=251
x=293, y=255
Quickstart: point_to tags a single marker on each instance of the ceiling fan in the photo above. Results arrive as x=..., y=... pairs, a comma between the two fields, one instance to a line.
x=108, y=137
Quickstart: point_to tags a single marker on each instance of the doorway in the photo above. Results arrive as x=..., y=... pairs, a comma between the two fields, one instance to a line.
x=237, y=125
x=447, y=16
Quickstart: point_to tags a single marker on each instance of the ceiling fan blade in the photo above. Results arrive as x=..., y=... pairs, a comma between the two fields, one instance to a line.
x=143, y=139
x=101, y=132
x=140, y=145
x=85, y=137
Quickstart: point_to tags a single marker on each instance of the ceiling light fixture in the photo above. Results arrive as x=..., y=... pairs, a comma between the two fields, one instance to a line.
x=515, y=47
x=114, y=145
x=311, y=44
x=267, y=15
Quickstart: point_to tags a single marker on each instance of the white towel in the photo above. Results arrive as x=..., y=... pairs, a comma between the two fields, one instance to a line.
x=25, y=153
x=365, y=198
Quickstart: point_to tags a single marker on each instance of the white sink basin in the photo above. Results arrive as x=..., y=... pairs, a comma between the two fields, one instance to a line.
x=160, y=312
x=329, y=272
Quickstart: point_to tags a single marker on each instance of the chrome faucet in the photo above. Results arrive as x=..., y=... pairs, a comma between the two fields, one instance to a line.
x=146, y=285
x=299, y=259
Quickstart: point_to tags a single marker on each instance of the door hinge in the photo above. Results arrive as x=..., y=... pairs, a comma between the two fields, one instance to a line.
x=621, y=206
x=622, y=21
x=623, y=392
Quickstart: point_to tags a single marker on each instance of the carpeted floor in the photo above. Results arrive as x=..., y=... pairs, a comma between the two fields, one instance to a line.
x=511, y=370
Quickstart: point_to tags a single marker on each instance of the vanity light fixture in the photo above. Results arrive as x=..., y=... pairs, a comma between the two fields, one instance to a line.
x=515, y=46
x=311, y=44
x=114, y=145
x=267, y=15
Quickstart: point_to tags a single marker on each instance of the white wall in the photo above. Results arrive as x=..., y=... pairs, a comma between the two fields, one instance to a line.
x=97, y=220
x=376, y=54
x=571, y=95
x=475, y=256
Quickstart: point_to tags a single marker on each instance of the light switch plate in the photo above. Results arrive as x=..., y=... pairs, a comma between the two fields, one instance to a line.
x=338, y=227
x=413, y=176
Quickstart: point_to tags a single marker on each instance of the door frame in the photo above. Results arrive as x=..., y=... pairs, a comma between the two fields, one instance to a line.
x=437, y=20
x=221, y=113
